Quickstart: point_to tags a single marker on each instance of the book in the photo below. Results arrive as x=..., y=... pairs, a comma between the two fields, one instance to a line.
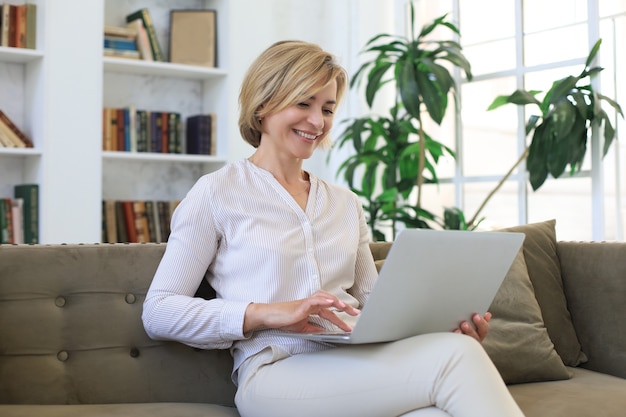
x=128, y=32
x=5, y=140
x=193, y=37
x=17, y=209
x=10, y=136
x=110, y=222
x=5, y=18
x=122, y=53
x=20, y=134
x=31, y=26
x=12, y=39
x=153, y=221
x=143, y=42
x=146, y=20
x=120, y=220
x=29, y=193
x=5, y=232
x=20, y=26
x=142, y=227
x=121, y=44
x=129, y=219
x=199, y=134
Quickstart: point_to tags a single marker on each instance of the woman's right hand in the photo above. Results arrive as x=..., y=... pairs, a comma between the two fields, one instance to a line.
x=294, y=315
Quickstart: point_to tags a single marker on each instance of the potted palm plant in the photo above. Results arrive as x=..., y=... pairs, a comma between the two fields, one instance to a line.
x=568, y=113
x=393, y=154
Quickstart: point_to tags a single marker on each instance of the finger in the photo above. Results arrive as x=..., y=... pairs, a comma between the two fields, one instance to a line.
x=330, y=301
x=332, y=317
x=482, y=325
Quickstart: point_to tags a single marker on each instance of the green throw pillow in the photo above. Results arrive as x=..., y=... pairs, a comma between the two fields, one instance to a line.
x=544, y=269
x=518, y=342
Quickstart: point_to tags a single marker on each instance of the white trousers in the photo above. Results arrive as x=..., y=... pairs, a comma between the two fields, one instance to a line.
x=443, y=374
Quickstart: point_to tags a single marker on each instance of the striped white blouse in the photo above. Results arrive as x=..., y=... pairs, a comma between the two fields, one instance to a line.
x=258, y=245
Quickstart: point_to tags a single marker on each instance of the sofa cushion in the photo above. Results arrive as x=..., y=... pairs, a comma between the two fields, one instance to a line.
x=120, y=410
x=518, y=342
x=594, y=277
x=544, y=270
x=587, y=394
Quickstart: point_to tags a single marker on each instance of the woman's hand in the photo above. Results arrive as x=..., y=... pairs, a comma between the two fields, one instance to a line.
x=479, y=329
x=294, y=315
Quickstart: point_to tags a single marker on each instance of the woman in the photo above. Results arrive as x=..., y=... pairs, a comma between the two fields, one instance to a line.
x=288, y=252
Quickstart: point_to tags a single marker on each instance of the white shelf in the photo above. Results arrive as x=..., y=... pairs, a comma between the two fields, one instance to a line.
x=165, y=69
x=19, y=55
x=20, y=152
x=164, y=157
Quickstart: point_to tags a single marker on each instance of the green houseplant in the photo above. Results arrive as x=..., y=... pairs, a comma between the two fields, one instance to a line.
x=393, y=154
x=568, y=113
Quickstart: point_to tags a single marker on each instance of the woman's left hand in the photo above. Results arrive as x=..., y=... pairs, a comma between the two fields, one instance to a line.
x=479, y=329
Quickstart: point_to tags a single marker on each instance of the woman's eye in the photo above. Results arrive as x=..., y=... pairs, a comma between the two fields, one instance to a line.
x=329, y=112
x=303, y=105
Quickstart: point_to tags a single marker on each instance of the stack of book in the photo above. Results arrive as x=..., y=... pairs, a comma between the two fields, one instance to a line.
x=136, y=40
x=10, y=135
x=18, y=25
x=121, y=42
x=136, y=221
x=19, y=216
x=131, y=130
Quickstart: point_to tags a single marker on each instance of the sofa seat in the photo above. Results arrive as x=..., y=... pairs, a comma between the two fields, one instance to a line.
x=120, y=410
x=584, y=395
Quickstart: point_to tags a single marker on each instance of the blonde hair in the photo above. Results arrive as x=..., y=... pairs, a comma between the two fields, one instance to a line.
x=281, y=76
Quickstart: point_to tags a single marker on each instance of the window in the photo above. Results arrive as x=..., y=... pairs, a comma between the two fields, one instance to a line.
x=528, y=44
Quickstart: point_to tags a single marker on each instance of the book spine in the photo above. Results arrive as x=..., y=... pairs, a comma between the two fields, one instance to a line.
x=11, y=135
x=172, y=126
x=17, y=209
x=6, y=22
x=121, y=44
x=141, y=221
x=120, y=220
x=165, y=131
x=12, y=25
x=121, y=139
x=4, y=222
x=30, y=194
x=31, y=26
x=146, y=19
x=151, y=213
x=143, y=42
x=20, y=26
x=110, y=222
x=142, y=131
x=129, y=218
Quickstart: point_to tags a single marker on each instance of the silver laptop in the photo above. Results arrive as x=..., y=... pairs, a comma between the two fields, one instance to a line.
x=431, y=281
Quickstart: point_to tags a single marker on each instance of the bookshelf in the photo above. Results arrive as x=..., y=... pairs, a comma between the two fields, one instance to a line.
x=56, y=95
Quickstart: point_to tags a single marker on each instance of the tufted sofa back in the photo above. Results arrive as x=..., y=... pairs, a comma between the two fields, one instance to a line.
x=71, y=331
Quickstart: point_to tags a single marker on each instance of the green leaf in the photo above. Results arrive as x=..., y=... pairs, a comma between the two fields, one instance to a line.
x=374, y=81
x=520, y=97
x=435, y=100
x=409, y=88
x=593, y=52
x=609, y=134
x=559, y=91
x=561, y=118
x=536, y=162
x=612, y=102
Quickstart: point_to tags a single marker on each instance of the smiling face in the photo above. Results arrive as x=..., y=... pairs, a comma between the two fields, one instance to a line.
x=298, y=130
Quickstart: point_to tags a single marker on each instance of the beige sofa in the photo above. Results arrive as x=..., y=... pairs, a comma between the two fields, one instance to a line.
x=72, y=342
